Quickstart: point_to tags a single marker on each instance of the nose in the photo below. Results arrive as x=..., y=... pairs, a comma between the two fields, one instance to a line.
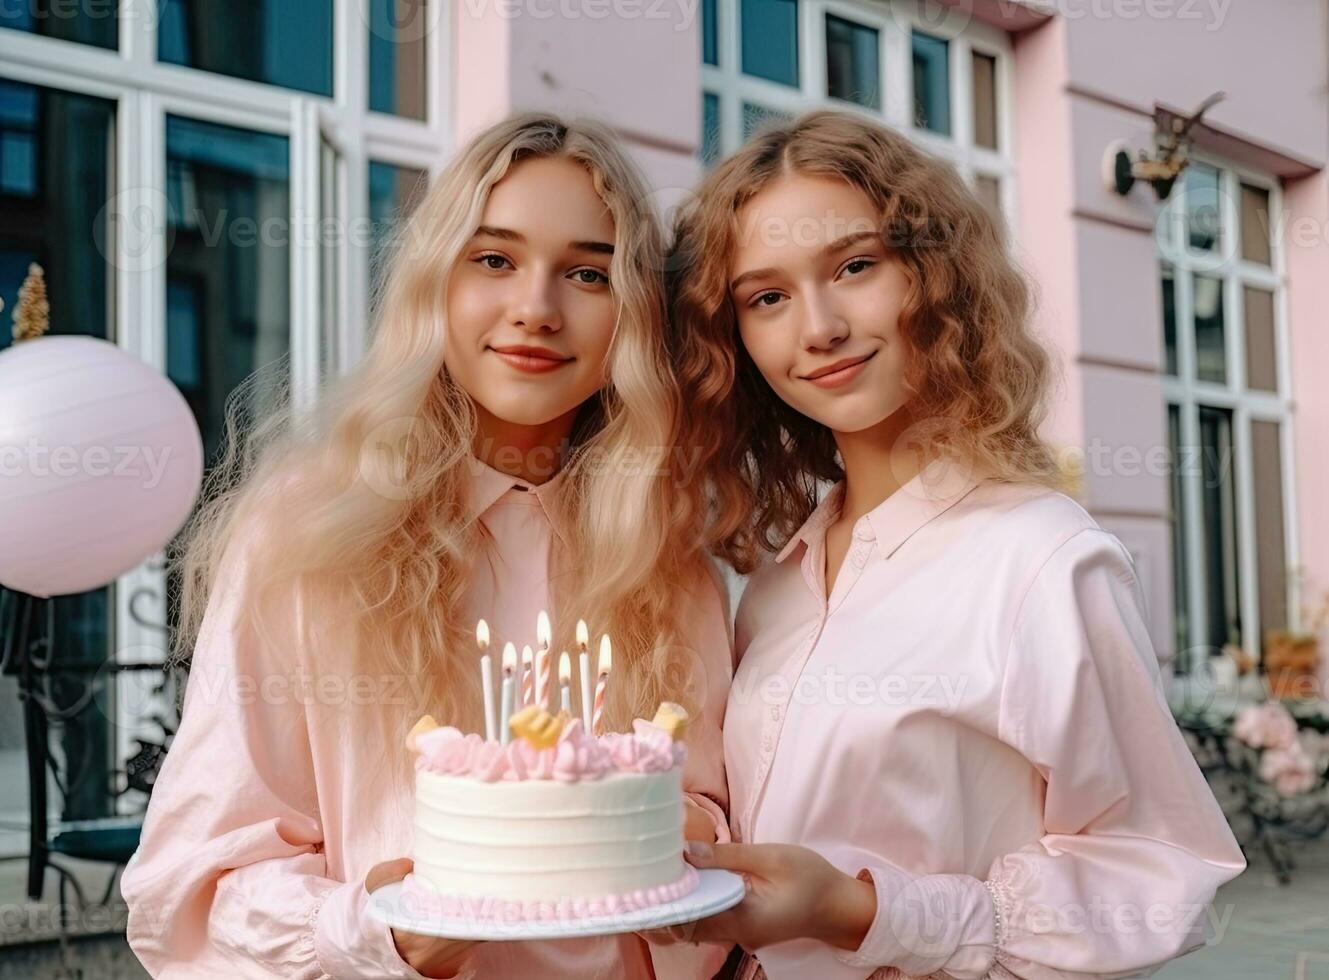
x=535, y=306
x=823, y=327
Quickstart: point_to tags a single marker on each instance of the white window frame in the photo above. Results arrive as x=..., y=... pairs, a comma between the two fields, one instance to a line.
x=1246, y=405
x=893, y=20
x=145, y=91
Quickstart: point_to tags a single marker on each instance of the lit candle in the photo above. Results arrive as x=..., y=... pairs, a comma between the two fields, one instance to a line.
x=486, y=676
x=606, y=662
x=509, y=690
x=527, y=676
x=544, y=668
x=565, y=681
x=584, y=665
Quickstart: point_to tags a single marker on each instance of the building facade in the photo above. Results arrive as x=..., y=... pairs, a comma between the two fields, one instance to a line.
x=212, y=191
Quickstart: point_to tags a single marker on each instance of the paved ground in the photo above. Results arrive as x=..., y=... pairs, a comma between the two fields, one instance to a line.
x=1273, y=932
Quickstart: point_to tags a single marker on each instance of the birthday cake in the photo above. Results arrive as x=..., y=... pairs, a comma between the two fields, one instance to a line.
x=553, y=823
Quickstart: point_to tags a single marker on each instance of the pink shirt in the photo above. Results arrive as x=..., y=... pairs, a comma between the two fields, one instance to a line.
x=973, y=719
x=261, y=828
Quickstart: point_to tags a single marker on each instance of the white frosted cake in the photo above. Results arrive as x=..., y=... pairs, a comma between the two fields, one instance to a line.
x=556, y=824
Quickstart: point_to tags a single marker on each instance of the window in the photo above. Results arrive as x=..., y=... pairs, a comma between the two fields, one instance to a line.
x=398, y=57
x=95, y=22
x=227, y=274
x=282, y=42
x=394, y=193
x=932, y=83
x=853, y=71
x=943, y=82
x=984, y=72
x=20, y=116
x=770, y=39
x=754, y=116
x=1227, y=411
x=710, y=128
x=710, y=29
x=56, y=173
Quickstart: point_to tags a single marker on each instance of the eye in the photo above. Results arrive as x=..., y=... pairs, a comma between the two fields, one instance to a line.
x=589, y=277
x=857, y=266
x=493, y=261
x=768, y=298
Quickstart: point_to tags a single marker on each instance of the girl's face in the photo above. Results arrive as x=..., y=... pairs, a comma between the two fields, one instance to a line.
x=530, y=314
x=818, y=298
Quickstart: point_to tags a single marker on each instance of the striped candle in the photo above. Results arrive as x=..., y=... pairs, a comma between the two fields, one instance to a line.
x=606, y=662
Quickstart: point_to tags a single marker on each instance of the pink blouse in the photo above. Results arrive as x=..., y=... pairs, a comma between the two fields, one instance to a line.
x=974, y=721
x=261, y=830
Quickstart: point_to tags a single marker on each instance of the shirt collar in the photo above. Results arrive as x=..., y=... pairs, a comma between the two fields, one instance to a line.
x=489, y=484
x=939, y=486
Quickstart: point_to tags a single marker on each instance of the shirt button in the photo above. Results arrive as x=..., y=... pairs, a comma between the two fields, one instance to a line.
x=775, y=713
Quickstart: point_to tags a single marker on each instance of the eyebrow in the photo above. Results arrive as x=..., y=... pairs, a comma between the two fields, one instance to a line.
x=508, y=235
x=830, y=249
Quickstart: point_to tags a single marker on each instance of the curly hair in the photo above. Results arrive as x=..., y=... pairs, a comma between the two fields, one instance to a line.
x=977, y=377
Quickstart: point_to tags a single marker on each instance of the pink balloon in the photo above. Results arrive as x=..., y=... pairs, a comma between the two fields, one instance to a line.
x=100, y=464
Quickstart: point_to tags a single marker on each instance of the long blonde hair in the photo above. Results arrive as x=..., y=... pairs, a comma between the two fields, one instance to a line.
x=383, y=575
x=978, y=381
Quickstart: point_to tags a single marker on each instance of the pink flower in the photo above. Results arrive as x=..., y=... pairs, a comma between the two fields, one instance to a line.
x=1266, y=726
x=1289, y=770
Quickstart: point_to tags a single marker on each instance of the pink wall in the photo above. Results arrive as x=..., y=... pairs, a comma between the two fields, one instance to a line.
x=1084, y=81
x=1268, y=56
x=1306, y=241
x=641, y=74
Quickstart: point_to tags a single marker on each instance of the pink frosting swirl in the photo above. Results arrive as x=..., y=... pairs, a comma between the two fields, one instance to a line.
x=574, y=757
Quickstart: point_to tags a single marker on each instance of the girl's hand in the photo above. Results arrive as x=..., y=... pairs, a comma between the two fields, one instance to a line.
x=792, y=893
x=429, y=955
x=697, y=823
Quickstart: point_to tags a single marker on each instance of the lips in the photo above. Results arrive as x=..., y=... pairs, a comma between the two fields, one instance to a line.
x=841, y=370
x=532, y=360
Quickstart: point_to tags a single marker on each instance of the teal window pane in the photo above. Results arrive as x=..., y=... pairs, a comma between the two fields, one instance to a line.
x=853, y=69
x=397, y=57
x=770, y=40
x=1219, y=517
x=280, y=42
x=1170, y=320
x=755, y=116
x=1204, y=221
x=56, y=177
x=227, y=270
x=932, y=83
x=394, y=193
x=1210, y=332
x=710, y=38
x=95, y=22
x=20, y=124
x=1177, y=525
x=710, y=128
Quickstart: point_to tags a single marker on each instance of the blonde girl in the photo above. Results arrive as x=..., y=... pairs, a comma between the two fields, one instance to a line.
x=509, y=444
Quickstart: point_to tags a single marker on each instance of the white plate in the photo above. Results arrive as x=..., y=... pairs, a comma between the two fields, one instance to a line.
x=716, y=891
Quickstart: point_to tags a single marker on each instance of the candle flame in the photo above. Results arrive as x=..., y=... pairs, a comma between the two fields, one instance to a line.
x=565, y=668
x=583, y=635
x=482, y=635
x=542, y=631
x=606, y=654
x=526, y=655
x=509, y=658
